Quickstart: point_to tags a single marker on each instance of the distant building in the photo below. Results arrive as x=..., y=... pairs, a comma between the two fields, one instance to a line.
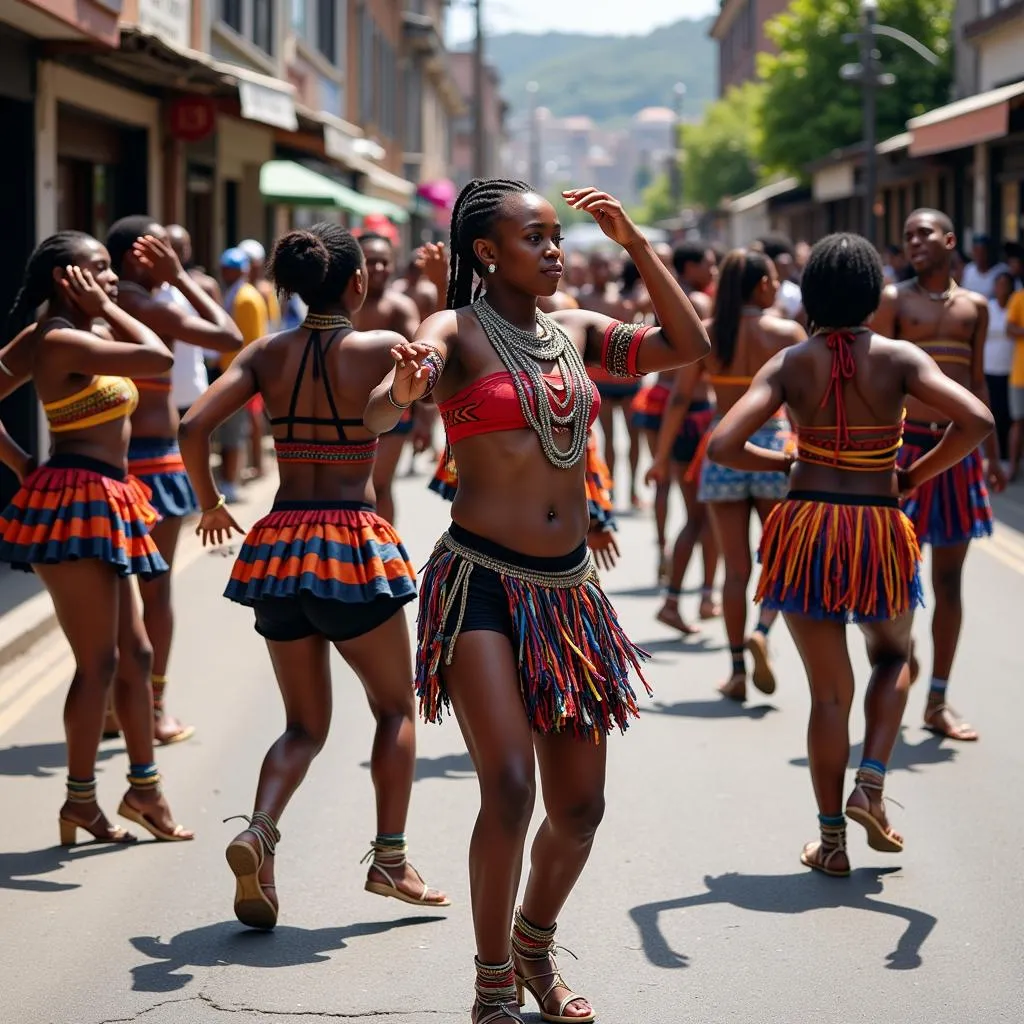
x=739, y=32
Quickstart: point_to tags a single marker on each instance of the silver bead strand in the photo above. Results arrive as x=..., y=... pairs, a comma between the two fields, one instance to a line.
x=520, y=352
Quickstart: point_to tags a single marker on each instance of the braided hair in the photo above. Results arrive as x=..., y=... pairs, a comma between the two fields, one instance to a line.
x=37, y=286
x=842, y=282
x=473, y=216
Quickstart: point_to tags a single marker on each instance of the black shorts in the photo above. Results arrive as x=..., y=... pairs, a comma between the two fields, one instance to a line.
x=284, y=619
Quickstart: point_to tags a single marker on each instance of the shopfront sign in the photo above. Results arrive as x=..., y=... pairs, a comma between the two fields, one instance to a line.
x=169, y=20
x=269, y=106
x=338, y=145
x=192, y=118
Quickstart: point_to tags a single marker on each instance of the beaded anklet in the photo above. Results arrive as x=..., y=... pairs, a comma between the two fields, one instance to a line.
x=495, y=992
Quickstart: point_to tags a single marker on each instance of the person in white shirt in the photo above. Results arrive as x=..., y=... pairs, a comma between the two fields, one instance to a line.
x=789, y=300
x=998, y=359
x=980, y=274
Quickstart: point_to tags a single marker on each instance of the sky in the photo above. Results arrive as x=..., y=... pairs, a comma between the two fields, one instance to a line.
x=597, y=17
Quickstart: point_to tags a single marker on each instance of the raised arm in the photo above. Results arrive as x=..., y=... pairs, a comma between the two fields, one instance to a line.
x=417, y=367
x=633, y=350
x=729, y=444
x=212, y=328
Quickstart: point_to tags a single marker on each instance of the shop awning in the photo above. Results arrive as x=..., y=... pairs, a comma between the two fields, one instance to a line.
x=967, y=122
x=290, y=184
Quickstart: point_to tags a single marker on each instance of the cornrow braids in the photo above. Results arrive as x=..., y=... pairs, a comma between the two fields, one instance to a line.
x=842, y=282
x=473, y=217
x=57, y=251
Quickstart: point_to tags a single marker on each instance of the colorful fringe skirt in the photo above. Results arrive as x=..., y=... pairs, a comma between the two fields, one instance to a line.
x=74, y=507
x=953, y=507
x=574, y=658
x=338, y=551
x=841, y=557
x=688, y=441
x=446, y=477
x=599, y=487
x=156, y=461
x=647, y=409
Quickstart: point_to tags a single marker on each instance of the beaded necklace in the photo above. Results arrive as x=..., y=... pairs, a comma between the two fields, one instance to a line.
x=521, y=351
x=325, y=322
x=937, y=296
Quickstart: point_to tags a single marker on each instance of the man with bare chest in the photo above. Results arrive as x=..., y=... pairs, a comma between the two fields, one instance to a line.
x=387, y=309
x=602, y=295
x=950, y=324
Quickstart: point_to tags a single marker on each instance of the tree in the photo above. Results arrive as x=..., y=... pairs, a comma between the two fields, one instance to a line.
x=721, y=154
x=810, y=111
x=567, y=215
x=656, y=202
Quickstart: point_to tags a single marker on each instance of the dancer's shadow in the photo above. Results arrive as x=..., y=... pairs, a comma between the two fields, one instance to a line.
x=227, y=943
x=713, y=708
x=789, y=894
x=42, y=760
x=21, y=870
x=648, y=591
x=906, y=757
x=447, y=766
x=679, y=644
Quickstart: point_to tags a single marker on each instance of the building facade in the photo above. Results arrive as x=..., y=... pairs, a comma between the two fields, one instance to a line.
x=495, y=113
x=739, y=31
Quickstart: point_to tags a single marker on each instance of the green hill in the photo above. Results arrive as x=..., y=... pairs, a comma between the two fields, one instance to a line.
x=608, y=77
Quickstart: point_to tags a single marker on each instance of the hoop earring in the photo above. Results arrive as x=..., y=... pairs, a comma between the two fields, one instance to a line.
x=491, y=268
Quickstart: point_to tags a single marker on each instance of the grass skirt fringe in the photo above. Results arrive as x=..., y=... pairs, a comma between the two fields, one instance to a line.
x=574, y=658
x=840, y=561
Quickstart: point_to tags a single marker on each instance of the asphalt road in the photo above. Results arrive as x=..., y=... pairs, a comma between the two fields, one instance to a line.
x=694, y=906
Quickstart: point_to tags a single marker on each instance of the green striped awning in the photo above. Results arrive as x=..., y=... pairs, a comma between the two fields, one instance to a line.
x=290, y=184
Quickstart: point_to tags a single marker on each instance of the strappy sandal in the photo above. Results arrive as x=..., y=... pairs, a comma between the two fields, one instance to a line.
x=252, y=905
x=537, y=945
x=496, y=999
x=819, y=856
x=112, y=834
x=184, y=733
x=939, y=709
x=881, y=836
x=384, y=857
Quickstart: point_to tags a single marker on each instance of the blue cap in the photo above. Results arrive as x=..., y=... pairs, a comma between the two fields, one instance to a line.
x=235, y=259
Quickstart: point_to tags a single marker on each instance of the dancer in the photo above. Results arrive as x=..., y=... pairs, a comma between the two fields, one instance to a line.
x=81, y=523
x=839, y=549
x=181, y=242
x=744, y=336
x=156, y=290
x=514, y=630
x=949, y=323
x=386, y=309
x=417, y=285
x=602, y=296
x=323, y=567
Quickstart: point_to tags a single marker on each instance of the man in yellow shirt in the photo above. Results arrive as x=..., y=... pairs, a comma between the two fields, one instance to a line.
x=1015, y=330
x=247, y=308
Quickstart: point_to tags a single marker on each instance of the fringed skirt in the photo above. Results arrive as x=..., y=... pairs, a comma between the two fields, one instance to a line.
x=156, y=461
x=75, y=507
x=574, y=658
x=337, y=551
x=648, y=408
x=839, y=557
x=953, y=507
x=599, y=487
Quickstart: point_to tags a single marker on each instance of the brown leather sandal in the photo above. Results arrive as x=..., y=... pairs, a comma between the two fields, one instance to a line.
x=253, y=907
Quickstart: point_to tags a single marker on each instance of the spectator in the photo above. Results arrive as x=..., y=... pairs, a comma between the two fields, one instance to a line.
x=257, y=278
x=1014, y=253
x=789, y=301
x=1015, y=330
x=998, y=360
x=980, y=274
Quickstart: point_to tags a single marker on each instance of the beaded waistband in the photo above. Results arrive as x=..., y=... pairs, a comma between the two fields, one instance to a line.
x=564, y=579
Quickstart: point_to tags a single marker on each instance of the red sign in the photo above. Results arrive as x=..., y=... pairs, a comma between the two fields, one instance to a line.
x=192, y=118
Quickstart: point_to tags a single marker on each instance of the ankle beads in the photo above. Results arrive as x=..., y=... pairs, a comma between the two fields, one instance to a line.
x=495, y=991
x=81, y=791
x=388, y=851
x=262, y=826
x=529, y=941
x=144, y=777
x=159, y=686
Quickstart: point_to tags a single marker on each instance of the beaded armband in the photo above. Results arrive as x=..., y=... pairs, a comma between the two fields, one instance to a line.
x=435, y=364
x=620, y=347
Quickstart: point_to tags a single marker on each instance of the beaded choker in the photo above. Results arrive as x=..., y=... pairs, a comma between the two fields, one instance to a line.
x=520, y=352
x=937, y=296
x=325, y=321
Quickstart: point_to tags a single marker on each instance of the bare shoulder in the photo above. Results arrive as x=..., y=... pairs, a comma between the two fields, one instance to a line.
x=894, y=350
x=781, y=330
x=444, y=324
x=403, y=302
x=701, y=303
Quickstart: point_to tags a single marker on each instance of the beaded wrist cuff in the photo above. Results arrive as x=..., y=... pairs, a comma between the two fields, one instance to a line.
x=620, y=347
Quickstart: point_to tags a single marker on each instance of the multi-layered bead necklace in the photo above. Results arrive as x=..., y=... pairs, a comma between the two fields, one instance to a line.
x=521, y=352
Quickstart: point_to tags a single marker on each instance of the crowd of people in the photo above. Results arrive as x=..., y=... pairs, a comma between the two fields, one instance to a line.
x=843, y=401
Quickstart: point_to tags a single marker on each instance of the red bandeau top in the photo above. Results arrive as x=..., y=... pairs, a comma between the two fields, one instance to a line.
x=491, y=404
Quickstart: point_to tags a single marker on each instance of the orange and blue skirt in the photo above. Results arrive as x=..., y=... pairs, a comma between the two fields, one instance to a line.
x=953, y=507
x=599, y=487
x=446, y=477
x=156, y=461
x=74, y=507
x=840, y=557
x=648, y=408
x=573, y=657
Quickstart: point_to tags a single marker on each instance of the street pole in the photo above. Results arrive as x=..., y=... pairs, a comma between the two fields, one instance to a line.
x=479, y=132
x=869, y=84
x=535, y=176
x=676, y=177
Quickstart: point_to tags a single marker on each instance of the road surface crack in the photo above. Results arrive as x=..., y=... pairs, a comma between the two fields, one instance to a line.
x=298, y=1014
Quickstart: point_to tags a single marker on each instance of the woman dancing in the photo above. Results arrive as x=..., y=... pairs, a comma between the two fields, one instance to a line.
x=81, y=523
x=744, y=336
x=839, y=549
x=515, y=632
x=322, y=568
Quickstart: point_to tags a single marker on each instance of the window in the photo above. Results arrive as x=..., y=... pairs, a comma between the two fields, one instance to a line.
x=367, y=55
x=263, y=24
x=231, y=13
x=298, y=18
x=327, y=29
x=412, y=89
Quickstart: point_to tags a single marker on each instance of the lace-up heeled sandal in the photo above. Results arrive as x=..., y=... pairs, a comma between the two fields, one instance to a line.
x=536, y=946
x=496, y=1000
x=820, y=855
x=253, y=907
x=880, y=836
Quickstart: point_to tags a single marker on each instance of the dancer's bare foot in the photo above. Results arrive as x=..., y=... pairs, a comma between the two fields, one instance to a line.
x=167, y=729
x=735, y=688
x=669, y=616
x=709, y=607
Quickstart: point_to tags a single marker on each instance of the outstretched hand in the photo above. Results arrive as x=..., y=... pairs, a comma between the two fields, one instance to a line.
x=607, y=211
x=216, y=526
x=411, y=371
